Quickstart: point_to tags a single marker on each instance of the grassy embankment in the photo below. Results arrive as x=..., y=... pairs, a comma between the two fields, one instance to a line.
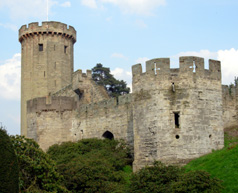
x=223, y=163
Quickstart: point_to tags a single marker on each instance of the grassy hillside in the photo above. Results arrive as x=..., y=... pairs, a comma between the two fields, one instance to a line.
x=223, y=163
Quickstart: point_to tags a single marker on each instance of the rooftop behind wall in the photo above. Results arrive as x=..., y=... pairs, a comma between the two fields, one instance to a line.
x=189, y=65
x=50, y=27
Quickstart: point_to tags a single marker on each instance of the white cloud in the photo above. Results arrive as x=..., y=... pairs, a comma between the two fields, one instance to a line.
x=121, y=74
x=66, y=4
x=206, y=54
x=89, y=3
x=144, y=7
x=10, y=77
x=141, y=24
x=9, y=26
x=229, y=64
x=228, y=58
x=142, y=60
x=118, y=55
x=28, y=8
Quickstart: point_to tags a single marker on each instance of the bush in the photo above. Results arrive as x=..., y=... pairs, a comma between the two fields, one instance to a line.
x=197, y=181
x=154, y=179
x=37, y=170
x=160, y=178
x=92, y=165
x=9, y=172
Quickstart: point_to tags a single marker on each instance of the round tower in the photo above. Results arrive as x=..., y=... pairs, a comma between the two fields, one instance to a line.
x=47, y=61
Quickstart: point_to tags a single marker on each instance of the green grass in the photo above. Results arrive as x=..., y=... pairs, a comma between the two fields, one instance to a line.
x=223, y=163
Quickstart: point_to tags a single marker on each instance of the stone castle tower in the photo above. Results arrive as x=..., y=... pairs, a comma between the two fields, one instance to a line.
x=173, y=115
x=47, y=61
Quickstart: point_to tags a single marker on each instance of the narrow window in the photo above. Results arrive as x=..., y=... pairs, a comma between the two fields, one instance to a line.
x=176, y=119
x=44, y=73
x=40, y=47
x=65, y=49
x=194, y=66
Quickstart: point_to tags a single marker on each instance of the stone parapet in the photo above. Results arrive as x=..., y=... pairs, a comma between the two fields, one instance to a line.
x=189, y=65
x=49, y=28
x=58, y=104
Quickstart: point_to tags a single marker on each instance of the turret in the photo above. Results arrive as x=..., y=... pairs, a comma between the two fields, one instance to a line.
x=47, y=61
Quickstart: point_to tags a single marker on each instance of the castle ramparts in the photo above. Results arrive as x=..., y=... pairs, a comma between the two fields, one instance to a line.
x=173, y=115
x=47, y=28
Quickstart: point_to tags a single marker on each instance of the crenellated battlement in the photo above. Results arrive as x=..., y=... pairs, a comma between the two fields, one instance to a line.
x=49, y=28
x=188, y=65
x=45, y=104
x=191, y=72
x=79, y=76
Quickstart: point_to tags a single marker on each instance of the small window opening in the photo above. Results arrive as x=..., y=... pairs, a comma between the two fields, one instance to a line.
x=40, y=47
x=79, y=93
x=44, y=73
x=176, y=119
x=65, y=49
x=108, y=135
x=173, y=87
x=177, y=136
x=210, y=136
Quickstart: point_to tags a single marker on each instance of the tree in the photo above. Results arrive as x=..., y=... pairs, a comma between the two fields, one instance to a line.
x=92, y=165
x=37, y=171
x=9, y=171
x=102, y=76
x=161, y=178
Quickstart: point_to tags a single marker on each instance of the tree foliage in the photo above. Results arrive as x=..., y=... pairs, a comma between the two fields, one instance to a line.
x=92, y=165
x=102, y=76
x=160, y=178
x=9, y=171
x=37, y=170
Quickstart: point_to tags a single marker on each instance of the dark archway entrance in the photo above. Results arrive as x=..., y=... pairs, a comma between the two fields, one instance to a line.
x=108, y=135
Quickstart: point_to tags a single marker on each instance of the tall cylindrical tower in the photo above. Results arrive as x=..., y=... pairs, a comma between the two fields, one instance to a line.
x=47, y=61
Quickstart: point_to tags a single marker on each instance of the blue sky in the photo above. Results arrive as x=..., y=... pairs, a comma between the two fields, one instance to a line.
x=119, y=34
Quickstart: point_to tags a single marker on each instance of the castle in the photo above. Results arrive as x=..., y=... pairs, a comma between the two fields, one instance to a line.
x=173, y=115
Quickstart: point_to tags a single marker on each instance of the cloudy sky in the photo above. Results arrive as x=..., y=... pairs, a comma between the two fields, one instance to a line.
x=118, y=34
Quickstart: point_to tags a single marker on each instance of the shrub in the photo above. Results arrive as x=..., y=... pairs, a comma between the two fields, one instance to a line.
x=37, y=170
x=160, y=178
x=92, y=165
x=197, y=181
x=154, y=179
x=9, y=172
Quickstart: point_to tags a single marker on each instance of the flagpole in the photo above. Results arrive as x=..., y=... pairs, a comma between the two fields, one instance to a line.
x=47, y=10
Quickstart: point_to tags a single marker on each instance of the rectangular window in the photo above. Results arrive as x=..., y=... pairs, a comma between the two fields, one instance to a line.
x=176, y=119
x=65, y=49
x=40, y=47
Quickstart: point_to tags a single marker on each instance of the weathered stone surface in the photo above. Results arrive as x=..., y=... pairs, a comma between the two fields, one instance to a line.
x=173, y=115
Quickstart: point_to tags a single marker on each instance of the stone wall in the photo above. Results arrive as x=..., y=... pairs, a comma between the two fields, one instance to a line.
x=50, y=120
x=47, y=54
x=191, y=93
x=230, y=108
x=173, y=115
